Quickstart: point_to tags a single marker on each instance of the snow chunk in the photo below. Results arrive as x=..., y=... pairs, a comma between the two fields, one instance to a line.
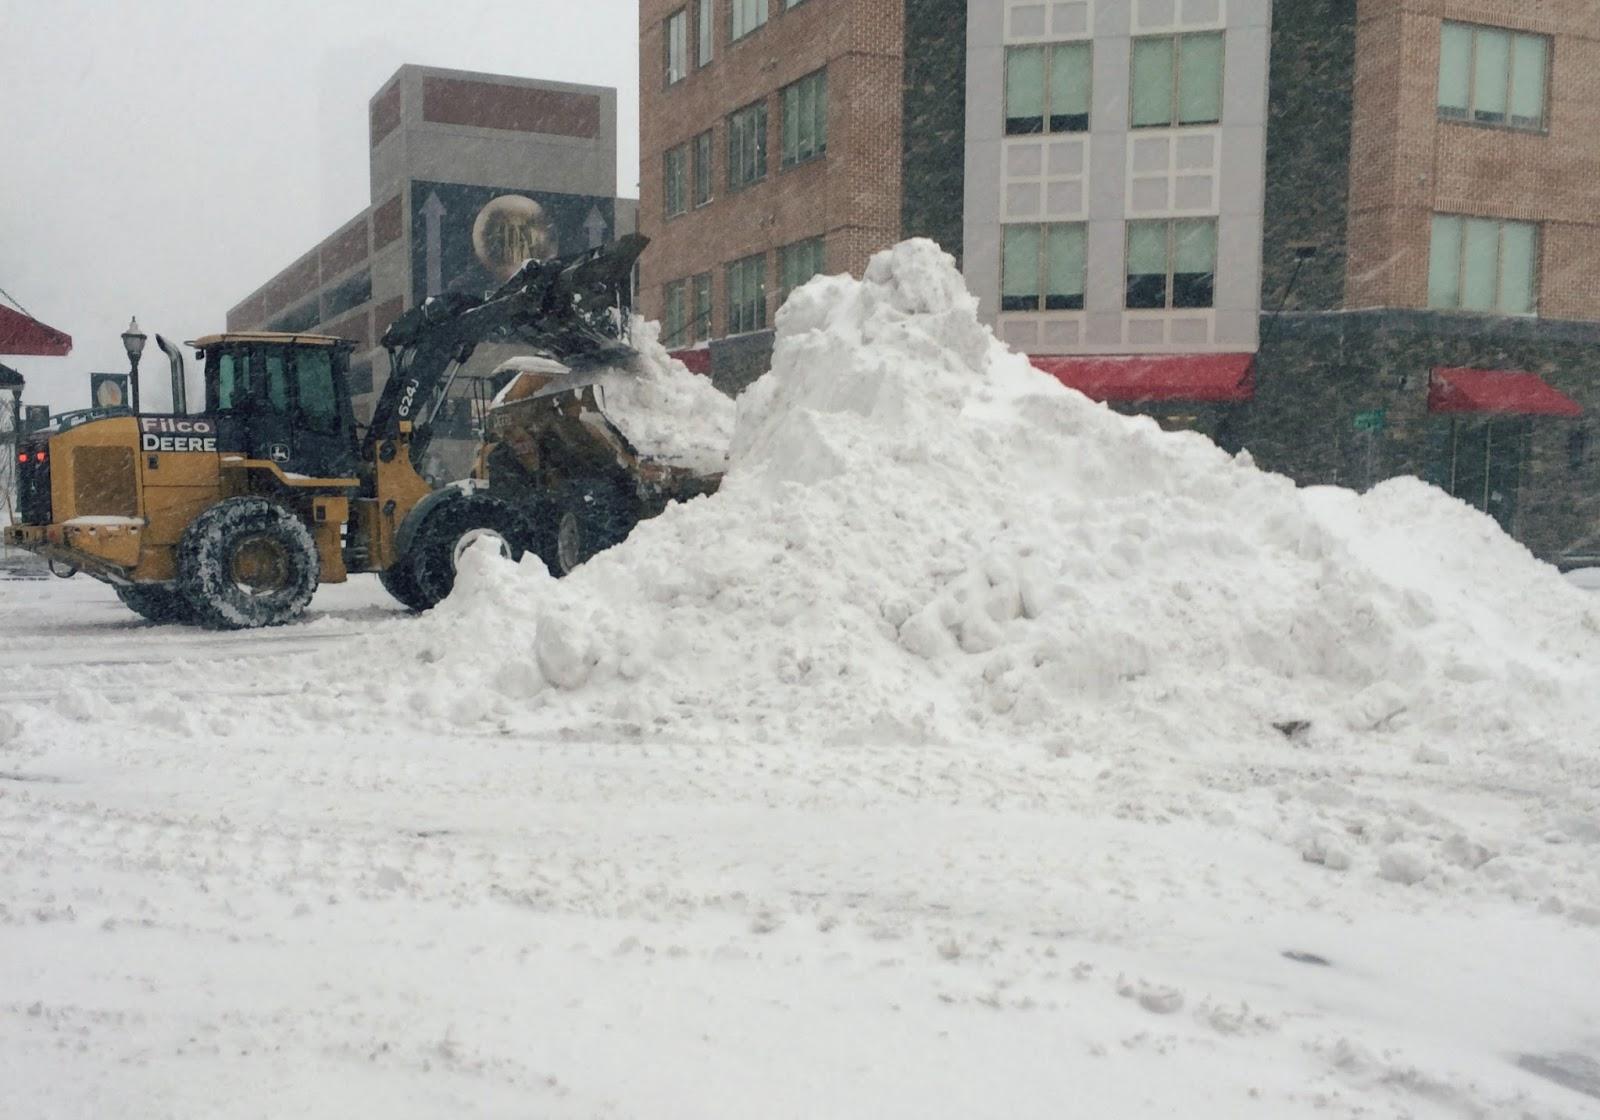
x=1404, y=864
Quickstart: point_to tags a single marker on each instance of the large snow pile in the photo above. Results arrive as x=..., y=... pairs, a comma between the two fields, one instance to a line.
x=920, y=535
x=921, y=539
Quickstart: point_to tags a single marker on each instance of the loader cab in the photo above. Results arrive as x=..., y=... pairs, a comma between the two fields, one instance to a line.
x=284, y=399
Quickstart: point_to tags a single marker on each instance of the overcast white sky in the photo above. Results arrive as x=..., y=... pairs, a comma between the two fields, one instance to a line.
x=164, y=158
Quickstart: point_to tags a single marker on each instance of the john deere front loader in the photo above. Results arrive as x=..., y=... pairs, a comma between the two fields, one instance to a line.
x=231, y=517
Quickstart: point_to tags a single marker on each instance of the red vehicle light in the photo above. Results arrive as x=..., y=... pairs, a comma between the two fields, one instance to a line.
x=40, y=456
x=22, y=456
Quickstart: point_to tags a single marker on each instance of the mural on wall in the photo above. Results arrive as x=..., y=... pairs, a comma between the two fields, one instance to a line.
x=466, y=238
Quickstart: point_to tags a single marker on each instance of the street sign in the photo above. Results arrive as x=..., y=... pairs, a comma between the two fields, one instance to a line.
x=1372, y=421
x=108, y=390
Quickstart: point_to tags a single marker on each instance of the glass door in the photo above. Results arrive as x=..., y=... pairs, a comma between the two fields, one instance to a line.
x=1486, y=463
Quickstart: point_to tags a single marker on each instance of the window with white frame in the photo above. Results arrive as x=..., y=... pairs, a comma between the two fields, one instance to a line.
x=674, y=320
x=1048, y=87
x=1480, y=264
x=744, y=16
x=1042, y=267
x=677, y=46
x=1491, y=76
x=675, y=163
x=1172, y=264
x=747, y=145
x=747, y=294
x=804, y=107
x=705, y=21
x=1177, y=80
x=798, y=263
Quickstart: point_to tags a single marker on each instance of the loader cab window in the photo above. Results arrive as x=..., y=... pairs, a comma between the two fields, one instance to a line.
x=300, y=382
x=229, y=386
x=242, y=379
x=277, y=379
x=284, y=403
x=316, y=390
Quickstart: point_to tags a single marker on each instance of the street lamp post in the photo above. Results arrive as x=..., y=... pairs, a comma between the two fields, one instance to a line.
x=10, y=441
x=133, y=340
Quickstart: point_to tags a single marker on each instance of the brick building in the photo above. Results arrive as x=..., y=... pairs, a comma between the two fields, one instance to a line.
x=778, y=139
x=470, y=175
x=1449, y=324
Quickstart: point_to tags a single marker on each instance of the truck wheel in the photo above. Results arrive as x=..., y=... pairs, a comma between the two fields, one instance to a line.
x=247, y=562
x=449, y=531
x=154, y=601
x=581, y=520
x=399, y=581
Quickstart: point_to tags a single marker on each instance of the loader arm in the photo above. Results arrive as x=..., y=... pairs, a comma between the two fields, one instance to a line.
x=571, y=309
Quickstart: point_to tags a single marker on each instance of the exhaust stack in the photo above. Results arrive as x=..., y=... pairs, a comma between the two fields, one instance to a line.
x=180, y=387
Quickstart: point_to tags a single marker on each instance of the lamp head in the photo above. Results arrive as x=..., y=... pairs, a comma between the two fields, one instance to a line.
x=133, y=339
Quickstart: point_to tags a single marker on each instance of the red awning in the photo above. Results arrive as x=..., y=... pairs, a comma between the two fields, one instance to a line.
x=1503, y=391
x=698, y=360
x=20, y=334
x=1163, y=377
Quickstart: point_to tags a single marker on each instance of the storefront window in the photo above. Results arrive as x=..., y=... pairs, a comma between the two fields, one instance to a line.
x=1486, y=463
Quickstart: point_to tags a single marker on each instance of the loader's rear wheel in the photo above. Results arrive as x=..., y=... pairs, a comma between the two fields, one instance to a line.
x=581, y=520
x=155, y=601
x=449, y=531
x=247, y=562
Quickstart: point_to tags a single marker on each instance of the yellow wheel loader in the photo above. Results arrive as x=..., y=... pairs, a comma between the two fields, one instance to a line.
x=229, y=518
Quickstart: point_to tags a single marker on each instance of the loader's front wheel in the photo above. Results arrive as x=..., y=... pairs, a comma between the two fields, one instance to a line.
x=247, y=562
x=155, y=601
x=449, y=531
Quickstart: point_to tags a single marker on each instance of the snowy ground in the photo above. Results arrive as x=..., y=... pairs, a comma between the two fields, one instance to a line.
x=370, y=923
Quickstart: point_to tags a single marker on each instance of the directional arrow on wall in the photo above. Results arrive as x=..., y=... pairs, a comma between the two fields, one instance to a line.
x=432, y=216
x=594, y=227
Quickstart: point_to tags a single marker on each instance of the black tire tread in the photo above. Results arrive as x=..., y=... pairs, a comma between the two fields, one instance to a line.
x=430, y=562
x=202, y=553
x=401, y=583
x=155, y=602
